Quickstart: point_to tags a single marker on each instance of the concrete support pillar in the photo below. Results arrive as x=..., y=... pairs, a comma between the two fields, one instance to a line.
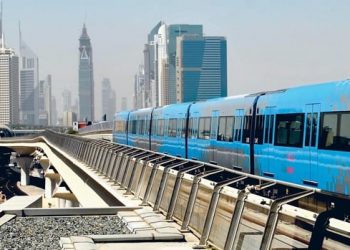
x=24, y=176
x=50, y=185
x=51, y=180
x=62, y=203
x=69, y=203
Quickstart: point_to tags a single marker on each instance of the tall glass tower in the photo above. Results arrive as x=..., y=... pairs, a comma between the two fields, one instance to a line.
x=201, y=68
x=86, y=78
x=29, y=73
x=174, y=31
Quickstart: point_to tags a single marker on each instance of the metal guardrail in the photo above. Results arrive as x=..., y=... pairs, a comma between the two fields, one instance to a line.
x=97, y=127
x=223, y=207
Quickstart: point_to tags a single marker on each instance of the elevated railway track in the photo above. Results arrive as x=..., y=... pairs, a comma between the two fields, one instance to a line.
x=224, y=208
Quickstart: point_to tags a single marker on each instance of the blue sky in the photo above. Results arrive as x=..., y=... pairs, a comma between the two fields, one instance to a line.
x=271, y=43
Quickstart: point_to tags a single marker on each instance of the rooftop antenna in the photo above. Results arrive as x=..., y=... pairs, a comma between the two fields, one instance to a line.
x=1, y=31
x=20, y=35
x=85, y=14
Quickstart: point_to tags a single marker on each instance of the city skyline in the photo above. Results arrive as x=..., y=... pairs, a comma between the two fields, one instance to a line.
x=284, y=44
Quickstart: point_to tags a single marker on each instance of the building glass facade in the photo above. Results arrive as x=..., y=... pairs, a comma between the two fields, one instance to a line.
x=174, y=31
x=201, y=68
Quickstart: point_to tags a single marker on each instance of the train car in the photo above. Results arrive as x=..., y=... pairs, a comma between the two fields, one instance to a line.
x=169, y=126
x=299, y=135
x=139, y=128
x=120, y=127
x=307, y=136
x=215, y=132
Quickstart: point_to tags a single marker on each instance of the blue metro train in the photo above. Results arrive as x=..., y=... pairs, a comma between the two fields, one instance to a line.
x=299, y=135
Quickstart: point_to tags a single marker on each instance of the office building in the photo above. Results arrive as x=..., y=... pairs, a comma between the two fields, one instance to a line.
x=150, y=72
x=174, y=31
x=139, y=89
x=29, y=73
x=86, y=78
x=108, y=98
x=54, y=118
x=45, y=102
x=201, y=68
x=67, y=100
x=68, y=118
x=124, y=104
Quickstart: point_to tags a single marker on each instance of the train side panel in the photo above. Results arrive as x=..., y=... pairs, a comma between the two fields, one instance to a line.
x=310, y=140
x=169, y=129
x=120, y=127
x=139, y=127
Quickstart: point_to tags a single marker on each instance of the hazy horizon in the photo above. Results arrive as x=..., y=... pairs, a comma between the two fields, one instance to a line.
x=271, y=44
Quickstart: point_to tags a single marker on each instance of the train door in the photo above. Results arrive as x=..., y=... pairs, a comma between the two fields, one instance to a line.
x=193, y=145
x=213, y=136
x=267, y=154
x=311, y=142
x=238, y=157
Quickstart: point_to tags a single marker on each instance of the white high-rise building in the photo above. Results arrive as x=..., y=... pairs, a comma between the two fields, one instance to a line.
x=161, y=57
x=139, y=89
x=149, y=54
x=124, y=104
x=67, y=100
x=45, y=102
x=108, y=100
x=9, y=82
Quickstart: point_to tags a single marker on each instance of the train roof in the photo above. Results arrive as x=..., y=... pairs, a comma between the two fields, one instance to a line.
x=306, y=89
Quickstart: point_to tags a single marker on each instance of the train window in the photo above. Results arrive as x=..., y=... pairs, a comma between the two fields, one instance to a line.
x=221, y=129
x=172, y=128
x=246, y=128
x=141, y=127
x=183, y=128
x=237, y=128
x=154, y=127
x=137, y=127
x=129, y=126
x=133, y=126
x=259, y=129
x=311, y=129
x=314, y=129
x=204, y=128
x=179, y=127
x=147, y=126
x=190, y=127
x=119, y=126
x=225, y=129
x=268, y=129
x=160, y=127
x=195, y=128
x=335, y=133
x=289, y=130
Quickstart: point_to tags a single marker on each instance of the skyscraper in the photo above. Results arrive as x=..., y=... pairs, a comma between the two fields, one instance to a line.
x=164, y=58
x=161, y=66
x=9, y=82
x=86, y=78
x=124, y=104
x=108, y=99
x=201, y=68
x=67, y=100
x=173, y=32
x=150, y=67
x=45, y=102
x=139, y=89
x=54, y=118
x=29, y=71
